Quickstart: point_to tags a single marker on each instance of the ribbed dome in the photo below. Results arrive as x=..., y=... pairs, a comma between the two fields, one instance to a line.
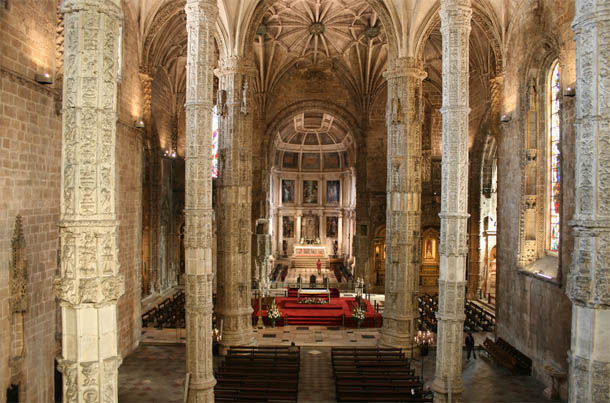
x=313, y=141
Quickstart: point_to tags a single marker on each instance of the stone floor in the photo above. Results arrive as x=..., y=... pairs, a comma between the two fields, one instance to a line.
x=155, y=371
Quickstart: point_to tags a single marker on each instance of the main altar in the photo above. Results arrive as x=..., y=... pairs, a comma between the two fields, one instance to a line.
x=309, y=250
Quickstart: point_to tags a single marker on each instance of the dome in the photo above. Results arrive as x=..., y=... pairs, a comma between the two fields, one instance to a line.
x=313, y=141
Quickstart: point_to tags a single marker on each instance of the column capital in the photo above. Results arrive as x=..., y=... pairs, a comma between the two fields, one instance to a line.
x=405, y=67
x=194, y=8
x=236, y=65
x=111, y=8
x=590, y=12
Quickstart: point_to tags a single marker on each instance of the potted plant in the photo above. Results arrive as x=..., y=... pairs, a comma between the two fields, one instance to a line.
x=359, y=315
x=274, y=314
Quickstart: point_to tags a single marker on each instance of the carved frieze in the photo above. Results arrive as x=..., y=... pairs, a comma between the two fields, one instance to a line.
x=18, y=276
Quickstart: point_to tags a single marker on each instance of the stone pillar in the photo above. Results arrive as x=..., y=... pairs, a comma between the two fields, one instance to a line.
x=89, y=284
x=361, y=246
x=234, y=218
x=297, y=230
x=589, y=275
x=403, y=217
x=198, y=212
x=455, y=28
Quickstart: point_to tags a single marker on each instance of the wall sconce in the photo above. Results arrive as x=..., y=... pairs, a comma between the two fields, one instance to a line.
x=44, y=78
x=569, y=92
x=505, y=118
x=140, y=124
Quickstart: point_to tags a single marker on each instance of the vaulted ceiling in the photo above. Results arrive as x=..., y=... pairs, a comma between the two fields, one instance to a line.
x=346, y=37
x=343, y=35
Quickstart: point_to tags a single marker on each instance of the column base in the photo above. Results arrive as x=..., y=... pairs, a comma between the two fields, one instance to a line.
x=201, y=393
x=243, y=337
x=389, y=339
x=442, y=390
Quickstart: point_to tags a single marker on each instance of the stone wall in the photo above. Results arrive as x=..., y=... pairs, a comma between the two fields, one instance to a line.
x=533, y=314
x=30, y=161
x=30, y=145
x=129, y=158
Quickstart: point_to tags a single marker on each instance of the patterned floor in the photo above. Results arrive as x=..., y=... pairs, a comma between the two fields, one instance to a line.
x=155, y=372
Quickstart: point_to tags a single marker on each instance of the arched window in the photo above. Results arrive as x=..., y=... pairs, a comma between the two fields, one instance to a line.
x=553, y=140
x=214, y=143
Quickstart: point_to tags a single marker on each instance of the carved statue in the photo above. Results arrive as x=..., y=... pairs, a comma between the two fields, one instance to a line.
x=18, y=273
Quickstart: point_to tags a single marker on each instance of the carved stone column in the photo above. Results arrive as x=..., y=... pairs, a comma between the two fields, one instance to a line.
x=89, y=284
x=403, y=208
x=589, y=274
x=455, y=28
x=362, y=230
x=200, y=25
x=234, y=219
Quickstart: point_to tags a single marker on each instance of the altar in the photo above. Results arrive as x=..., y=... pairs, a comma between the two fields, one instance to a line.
x=309, y=250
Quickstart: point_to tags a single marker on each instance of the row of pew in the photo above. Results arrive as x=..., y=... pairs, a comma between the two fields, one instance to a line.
x=477, y=318
x=375, y=375
x=258, y=374
x=427, y=306
x=168, y=314
x=508, y=356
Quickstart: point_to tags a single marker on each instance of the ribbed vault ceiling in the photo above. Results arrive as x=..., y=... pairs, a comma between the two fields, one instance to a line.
x=343, y=35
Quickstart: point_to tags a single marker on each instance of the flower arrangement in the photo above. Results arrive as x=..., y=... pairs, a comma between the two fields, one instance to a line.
x=313, y=301
x=358, y=314
x=273, y=313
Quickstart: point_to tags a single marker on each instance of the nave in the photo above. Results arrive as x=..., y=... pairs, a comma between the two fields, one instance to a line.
x=154, y=372
x=447, y=158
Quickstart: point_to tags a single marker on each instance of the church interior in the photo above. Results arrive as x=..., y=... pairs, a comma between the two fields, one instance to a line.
x=304, y=200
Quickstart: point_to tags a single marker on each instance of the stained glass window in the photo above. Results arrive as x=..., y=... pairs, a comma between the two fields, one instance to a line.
x=214, y=143
x=554, y=137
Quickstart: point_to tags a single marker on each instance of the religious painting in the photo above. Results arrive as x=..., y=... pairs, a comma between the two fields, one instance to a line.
x=310, y=229
x=287, y=227
x=332, y=227
x=311, y=162
x=331, y=161
x=332, y=191
x=310, y=192
x=291, y=160
x=287, y=191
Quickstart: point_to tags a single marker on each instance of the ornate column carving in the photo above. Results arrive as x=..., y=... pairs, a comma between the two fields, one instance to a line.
x=200, y=24
x=589, y=275
x=403, y=206
x=455, y=28
x=235, y=203
x=89, y=283
x=360, y=246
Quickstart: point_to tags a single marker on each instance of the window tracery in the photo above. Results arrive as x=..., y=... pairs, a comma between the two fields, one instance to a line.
x=541, y=170
x=214, y=143
x=554, y=170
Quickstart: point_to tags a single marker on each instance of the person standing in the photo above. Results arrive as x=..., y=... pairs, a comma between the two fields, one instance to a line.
x=470, y=346
x=319, y=266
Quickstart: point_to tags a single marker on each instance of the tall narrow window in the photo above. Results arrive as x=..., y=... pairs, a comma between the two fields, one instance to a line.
x=554, y=138
x=214, y=143
x=119, y=51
